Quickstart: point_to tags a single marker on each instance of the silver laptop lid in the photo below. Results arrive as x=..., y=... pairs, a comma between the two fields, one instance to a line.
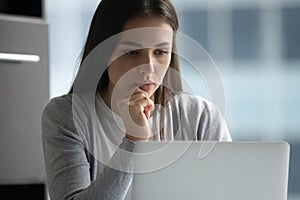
x=211, y=170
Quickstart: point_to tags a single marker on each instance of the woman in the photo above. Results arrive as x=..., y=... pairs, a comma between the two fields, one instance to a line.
x=137, y=98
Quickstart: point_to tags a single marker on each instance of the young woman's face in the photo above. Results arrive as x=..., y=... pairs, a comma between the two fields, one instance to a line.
x=141, y=57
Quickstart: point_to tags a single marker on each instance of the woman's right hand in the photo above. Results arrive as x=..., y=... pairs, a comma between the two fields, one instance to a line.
x=135, y=112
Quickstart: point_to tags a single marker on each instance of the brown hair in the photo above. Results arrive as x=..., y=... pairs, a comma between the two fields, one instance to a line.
x=109, y=20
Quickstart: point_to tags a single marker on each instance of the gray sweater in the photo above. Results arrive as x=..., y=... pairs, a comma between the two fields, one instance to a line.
x=86, y=154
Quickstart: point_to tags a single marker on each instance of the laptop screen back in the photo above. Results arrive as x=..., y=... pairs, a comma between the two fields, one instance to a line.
x=212, y=170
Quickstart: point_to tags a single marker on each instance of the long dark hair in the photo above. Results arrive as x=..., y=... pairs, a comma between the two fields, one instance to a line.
x=109, y=20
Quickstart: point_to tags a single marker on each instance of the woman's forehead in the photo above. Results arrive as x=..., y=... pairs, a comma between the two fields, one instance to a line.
x=146, y=37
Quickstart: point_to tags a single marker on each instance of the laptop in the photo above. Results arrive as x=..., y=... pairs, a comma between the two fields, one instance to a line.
x=211, y=170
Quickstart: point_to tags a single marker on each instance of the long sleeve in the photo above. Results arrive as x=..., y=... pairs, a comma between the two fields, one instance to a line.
x=68, y=163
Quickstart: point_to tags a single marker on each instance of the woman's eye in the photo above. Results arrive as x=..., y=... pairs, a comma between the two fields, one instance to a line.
x=131, y=53
x=161, y=52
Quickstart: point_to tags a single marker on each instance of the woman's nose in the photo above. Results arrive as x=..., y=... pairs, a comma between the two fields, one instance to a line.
x=148, y=65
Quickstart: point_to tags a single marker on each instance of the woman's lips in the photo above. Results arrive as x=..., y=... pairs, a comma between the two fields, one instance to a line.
x=147, y=87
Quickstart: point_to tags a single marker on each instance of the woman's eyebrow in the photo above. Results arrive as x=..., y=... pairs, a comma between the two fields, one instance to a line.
x=130, y=43
x=163, y=44
x=135, y=44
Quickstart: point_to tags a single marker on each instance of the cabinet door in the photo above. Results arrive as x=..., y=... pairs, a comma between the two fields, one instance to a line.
x=24, y=91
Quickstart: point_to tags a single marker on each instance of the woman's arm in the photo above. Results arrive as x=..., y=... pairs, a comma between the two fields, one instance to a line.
x=67, y=164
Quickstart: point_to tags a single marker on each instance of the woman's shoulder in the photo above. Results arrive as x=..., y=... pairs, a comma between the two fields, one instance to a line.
x=67, y=109
x=209, y=116
x=195, y=104
x=191, y=100
x=58, y=109
x=58, y=104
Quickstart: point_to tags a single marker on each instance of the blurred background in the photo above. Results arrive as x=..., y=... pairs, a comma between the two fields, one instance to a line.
x=254, y=43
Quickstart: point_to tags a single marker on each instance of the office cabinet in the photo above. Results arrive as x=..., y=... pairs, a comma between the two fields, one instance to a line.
x=24, y=91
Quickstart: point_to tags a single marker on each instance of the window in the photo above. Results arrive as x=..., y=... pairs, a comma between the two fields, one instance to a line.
x=291, y=33
x=246, y=34
x=194, y=24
